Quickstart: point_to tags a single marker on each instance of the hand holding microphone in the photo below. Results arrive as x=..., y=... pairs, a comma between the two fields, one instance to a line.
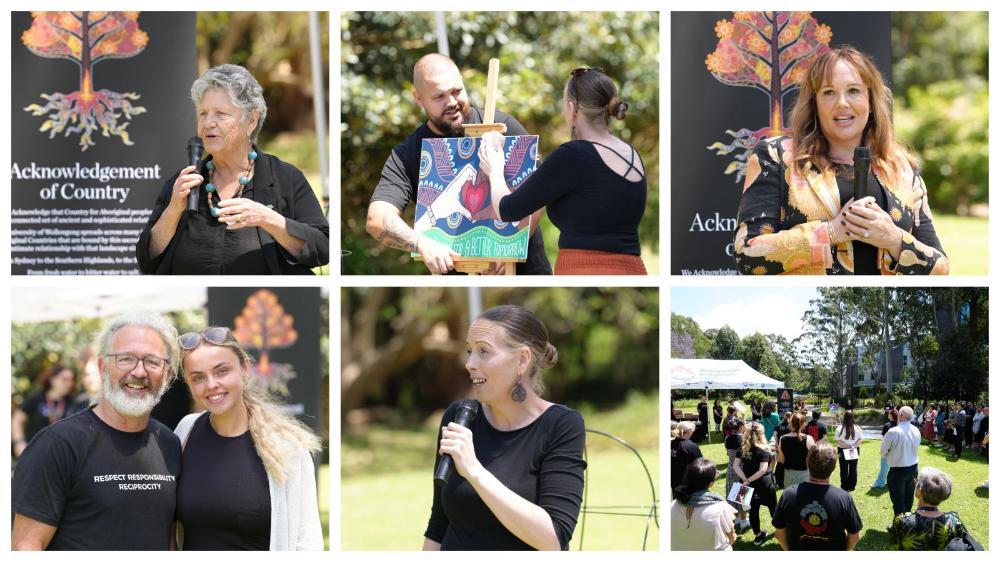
x=195, y=148
x=456, y=443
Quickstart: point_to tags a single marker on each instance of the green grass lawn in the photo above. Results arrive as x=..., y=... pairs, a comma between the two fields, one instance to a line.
x=965, y=240
x=967, y=499
x=389, y=470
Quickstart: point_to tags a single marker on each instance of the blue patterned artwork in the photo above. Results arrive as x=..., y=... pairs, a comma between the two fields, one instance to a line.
x=453, y=197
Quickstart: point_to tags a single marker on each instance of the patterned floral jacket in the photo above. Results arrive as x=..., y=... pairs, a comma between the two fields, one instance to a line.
x=782, y=221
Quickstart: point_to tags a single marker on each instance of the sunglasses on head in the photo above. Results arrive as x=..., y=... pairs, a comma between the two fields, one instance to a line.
x=583, y=70
x=215, y=336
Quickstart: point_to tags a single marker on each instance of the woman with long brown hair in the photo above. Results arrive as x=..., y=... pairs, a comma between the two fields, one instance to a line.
x=797, y=212
x=848, y=448
x=792, y=451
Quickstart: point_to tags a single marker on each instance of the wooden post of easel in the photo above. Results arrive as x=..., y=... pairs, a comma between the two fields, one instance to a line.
x=476, y=266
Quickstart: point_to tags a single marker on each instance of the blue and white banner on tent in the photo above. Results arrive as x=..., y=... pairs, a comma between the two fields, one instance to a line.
x=718, y=374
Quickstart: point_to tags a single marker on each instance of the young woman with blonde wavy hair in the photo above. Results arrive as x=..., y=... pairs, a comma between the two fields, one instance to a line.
x=247, y=477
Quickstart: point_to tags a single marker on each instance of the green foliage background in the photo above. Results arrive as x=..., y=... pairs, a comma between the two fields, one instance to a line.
x=940, y=82
x=537, y=50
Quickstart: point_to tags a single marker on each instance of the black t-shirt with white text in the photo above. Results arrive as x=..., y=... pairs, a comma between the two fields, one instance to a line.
x=817, y=517
x=398, y=182
x=103, y=489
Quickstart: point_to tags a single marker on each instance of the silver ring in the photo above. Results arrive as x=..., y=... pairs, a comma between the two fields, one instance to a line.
x=867, y=234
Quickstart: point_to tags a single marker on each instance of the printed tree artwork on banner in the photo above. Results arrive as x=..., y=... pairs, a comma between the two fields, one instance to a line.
x=86, y=38
x=264, y=325
x=767, y=51
x=453, y=197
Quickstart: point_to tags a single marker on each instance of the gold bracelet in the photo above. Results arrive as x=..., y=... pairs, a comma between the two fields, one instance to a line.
x=829, y=232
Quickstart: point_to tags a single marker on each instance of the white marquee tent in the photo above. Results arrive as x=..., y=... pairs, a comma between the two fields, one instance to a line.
x=718, y=374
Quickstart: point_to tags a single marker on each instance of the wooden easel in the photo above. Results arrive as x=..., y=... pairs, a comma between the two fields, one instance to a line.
x=477, y=266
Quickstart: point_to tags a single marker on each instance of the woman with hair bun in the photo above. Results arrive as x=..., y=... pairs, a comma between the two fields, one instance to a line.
x=517, y=482
x=594, y=186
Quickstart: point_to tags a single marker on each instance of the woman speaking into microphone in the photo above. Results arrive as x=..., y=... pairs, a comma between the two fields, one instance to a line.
x=255, y=215
x=798, y=213
x=517, y=481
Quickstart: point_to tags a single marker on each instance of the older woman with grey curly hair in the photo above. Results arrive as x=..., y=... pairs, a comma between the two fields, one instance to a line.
x=256, y=214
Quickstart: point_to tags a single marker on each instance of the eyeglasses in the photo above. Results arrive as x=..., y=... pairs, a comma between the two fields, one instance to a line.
x=126, y=362
x=583, y=70
x=215, y=336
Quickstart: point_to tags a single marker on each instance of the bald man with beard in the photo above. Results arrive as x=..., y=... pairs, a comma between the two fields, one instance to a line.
x=439, y=90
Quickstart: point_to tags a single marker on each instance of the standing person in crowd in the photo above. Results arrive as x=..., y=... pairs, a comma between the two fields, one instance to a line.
x=729, y=424
x=753, y=468
x=958, y=421
x=50, y=402
x=929, y=416
x=769, y=419
x=900, y=448
x=717, y=415
x=755, y=410
x=939, y=420
x=682, y=452
x=792, y=452
x=816, y=428
x=883, y=471
x=733, y=443
x=848, y=449
x=918, y=415
x=927, y=528
x=781, y=431
x=984, y=427
x=702, y=430
x=977, y=418
x=701, y=519
x=970, y=412
x=814, y=515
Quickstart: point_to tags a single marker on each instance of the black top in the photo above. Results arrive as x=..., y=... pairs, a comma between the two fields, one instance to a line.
x=733, y=441
x=593, y=207
x=42, y=412
x=887, y=426
x=703, y=412
x=794, y=451
x=817, y=517
x=103, y=489
x=398, y=183
x=750, y=463
x=717, y=413
x=915, y=531
x=223, y=497
x=781, y=431
x=816, y=429
x=682, y=453
x=206, y=247
x=201, y=245
x=541, y=462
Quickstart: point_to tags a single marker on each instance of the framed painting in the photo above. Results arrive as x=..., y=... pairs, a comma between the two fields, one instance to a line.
x=453, y=197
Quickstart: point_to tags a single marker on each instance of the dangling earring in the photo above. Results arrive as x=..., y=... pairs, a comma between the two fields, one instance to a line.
x=518, y=394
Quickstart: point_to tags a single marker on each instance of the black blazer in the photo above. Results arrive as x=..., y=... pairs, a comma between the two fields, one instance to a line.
x=275, y=183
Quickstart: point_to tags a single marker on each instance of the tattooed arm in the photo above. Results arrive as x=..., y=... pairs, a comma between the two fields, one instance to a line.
x=386, y=226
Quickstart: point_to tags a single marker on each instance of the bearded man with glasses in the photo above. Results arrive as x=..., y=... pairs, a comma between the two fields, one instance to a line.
x=105, y=479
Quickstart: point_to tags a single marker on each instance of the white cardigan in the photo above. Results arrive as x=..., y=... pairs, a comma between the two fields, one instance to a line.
x=295, y=521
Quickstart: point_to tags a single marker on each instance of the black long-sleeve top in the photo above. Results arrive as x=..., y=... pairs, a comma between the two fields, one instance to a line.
x=541, y=462
x=593, y=207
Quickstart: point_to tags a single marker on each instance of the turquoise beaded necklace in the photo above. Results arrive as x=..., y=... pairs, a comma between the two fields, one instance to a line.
x=244, y=181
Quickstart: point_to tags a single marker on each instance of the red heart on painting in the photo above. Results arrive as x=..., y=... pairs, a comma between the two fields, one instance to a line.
x=473, y=194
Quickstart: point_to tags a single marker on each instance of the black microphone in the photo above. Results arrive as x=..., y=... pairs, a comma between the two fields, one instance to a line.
x=862, y=163
x=467, y=412
x=865, y=255
x=195, y=148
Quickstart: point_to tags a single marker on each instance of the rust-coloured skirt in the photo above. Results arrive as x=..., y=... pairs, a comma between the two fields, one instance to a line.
x=596, y=262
